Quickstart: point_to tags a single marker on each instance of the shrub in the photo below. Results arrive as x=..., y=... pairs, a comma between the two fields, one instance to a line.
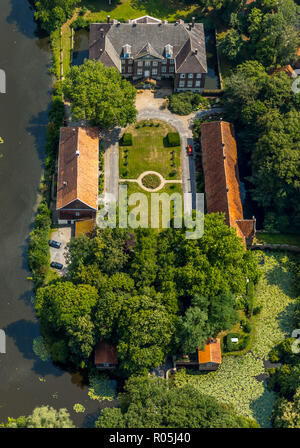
x=126, y=139
x=38, y=250
x=236, y=346
x=151, y=181
x=173, y=139
x=80, y=23
x=257, y=310
x=250, y=298
x=183, y=103
x=247, y=327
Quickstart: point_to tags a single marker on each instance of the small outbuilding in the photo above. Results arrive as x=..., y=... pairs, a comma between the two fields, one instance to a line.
x=105, y=356
x=209, y=358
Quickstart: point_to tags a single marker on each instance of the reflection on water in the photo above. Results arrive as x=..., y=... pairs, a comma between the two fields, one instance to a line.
x=212, y=80
x=25, y=381
x=81, y=47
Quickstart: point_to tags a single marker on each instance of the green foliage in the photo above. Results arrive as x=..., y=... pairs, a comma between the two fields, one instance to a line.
x=183, y=103
x=100, y=95
x=262, y=107
x=155, y=403
x=54, y=13
x=43, y=417
x=231, y=44
x=78, y=408
x=203, y=319
x=118, y=279
x=100, y=388
x=283, y=353
x=173, y=139
x=286, y=413
x=126, y=140
x=236, y=346
x=38, y=250
x=276, y=294
x=65, y=313
x=40, y=349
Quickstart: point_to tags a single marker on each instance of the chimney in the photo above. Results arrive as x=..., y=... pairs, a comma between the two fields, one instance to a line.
x=193, y=22
x=196, y=50
x=65, y=183
x=108, y=19
x=77, y=153
x=102, y=32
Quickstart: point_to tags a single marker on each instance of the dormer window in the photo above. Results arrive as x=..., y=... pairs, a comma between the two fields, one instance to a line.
x=169, y=51
x=127, y=51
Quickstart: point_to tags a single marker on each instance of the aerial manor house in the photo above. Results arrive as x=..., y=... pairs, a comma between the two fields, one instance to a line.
x=151, y=48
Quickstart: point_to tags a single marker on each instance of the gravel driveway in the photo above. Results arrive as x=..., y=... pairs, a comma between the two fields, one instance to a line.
x=63, y=236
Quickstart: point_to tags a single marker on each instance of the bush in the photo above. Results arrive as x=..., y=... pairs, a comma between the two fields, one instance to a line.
x=184, y=103
x=236, y=346
x=247, y=327
x=250, y=298
x=38, y=250
x=173, y=139
x=126, y=140
x=80, y=23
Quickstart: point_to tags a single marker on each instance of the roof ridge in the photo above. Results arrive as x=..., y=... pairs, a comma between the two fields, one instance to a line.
x=224, y=163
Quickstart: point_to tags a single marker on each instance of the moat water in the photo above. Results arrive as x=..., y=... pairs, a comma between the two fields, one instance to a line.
x=25, y=381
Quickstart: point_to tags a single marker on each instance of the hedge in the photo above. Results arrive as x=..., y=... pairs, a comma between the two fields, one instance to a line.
x=38, y=250
x=236, y=346
x=183, y=103
x=173, y=139
x=126, y=140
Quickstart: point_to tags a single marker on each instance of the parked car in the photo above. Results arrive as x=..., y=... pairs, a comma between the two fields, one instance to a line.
x=189, y=150
x=56, y=265
x=54, y=244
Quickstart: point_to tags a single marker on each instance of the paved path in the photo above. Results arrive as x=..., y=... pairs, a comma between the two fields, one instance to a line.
x=163, y=181
x=63, y=236
x=187, y=162
x=111, y=164
x=183, y=125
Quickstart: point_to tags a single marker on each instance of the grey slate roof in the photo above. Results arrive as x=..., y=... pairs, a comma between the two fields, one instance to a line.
x=107, y=41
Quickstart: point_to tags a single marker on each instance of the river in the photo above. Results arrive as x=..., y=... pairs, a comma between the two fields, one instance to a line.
x=25, y=381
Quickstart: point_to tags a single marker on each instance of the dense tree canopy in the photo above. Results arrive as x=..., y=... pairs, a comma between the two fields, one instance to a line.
x=153, y=403
x=266, y=113
x=53, y=13
x=43, y=417
x=146, y=292
x=100, y=95
x=267, y=32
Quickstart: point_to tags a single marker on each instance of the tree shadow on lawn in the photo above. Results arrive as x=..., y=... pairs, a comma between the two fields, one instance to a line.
x=100, y=5
x=281, y=274
x=161, y=8
x=262, y=407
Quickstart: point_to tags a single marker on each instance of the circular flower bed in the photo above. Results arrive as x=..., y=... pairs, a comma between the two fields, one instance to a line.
x=151, y=181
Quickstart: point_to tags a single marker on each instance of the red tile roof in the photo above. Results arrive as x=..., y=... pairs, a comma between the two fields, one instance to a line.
x=222, y=185
x=78, y=173
x=211, y=352
x=105, y=353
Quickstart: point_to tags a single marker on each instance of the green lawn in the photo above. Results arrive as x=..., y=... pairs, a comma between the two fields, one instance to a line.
x=148, y=153
x=237, y=380
x=169, y=189
x=131, y=9
x=278, y=238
